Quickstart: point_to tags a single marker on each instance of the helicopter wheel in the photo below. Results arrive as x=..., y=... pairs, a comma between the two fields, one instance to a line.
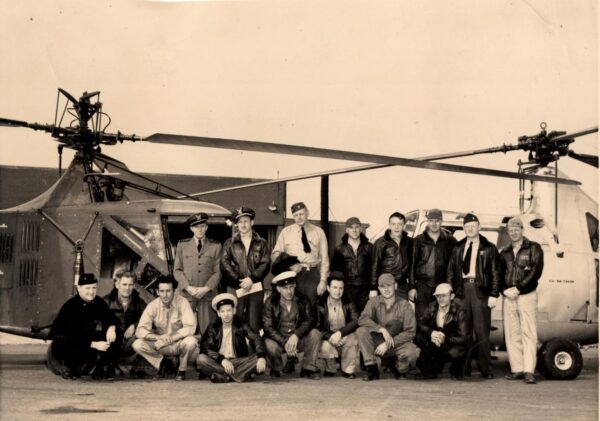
x=560, y=359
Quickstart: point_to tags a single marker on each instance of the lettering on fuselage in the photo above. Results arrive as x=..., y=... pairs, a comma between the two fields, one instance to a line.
x=561, y=281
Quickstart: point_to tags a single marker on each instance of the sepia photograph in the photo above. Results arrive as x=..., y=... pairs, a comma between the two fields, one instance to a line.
x=299, y=209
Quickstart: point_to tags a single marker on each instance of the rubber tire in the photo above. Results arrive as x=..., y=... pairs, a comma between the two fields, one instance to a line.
x=547, y=365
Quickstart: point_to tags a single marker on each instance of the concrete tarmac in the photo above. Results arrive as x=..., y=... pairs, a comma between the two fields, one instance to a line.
x=29, y=391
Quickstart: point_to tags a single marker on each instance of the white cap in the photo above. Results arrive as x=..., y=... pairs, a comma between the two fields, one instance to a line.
x=442, y=289
x=284, y=278
x=222, y=299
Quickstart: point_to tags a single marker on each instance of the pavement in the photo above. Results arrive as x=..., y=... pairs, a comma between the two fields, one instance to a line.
x=29, y=391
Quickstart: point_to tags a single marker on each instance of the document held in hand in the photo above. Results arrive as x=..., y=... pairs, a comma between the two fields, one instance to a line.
x=241, y=292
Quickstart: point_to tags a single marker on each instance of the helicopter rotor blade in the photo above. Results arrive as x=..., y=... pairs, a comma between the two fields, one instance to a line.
x=337, y=154
x=585, y=158
x=7, y=122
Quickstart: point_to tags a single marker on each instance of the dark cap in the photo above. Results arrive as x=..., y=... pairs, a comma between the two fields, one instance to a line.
x=352, y=221
x=283, y=263
x=434, y=214
x=297, y=206
x=470, y=217
x=87, y=279
x=284, y=278
x=336, y=276
x=198, y=218
x=242, y=211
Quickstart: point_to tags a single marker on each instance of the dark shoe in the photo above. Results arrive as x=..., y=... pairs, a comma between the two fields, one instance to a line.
x=348, y=375
x=458, y=377
x=313, y=375
x=488, y=376
x=426, y=376
x=180, y=375
x=515, y=376
x=275, y=373
x=70, y=374
x=372, y=373
x=328, y=374
x=397, y=374
x=289, y=367
x=166, y=367
x=202, y=376
x=99, y=373
x=138, y=374
x=530, y=378
x=219, y=378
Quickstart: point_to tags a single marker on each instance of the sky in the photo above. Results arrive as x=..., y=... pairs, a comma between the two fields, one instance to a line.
x=402, y=78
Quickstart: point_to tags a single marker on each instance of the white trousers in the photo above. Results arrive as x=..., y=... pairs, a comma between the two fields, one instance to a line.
x=184, y=349
x=520, y=332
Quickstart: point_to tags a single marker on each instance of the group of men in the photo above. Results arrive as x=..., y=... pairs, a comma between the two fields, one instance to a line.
x=417, y=303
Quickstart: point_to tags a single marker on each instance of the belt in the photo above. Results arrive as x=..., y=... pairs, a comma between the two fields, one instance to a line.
x=306, y=266
x=469, y=280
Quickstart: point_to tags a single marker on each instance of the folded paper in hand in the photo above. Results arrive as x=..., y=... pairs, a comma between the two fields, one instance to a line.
x=241, y=292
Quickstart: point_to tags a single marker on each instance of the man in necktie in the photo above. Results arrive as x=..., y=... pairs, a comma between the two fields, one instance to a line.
x=197, y=269
x=475, y=273
x=308, y=244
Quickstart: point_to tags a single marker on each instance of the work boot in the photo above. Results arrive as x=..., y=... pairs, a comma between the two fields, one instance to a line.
x=372, y=373
x=71, y=374
x=289, y=366
x=515, y=376
x=180, y=375
x=219, y=378
x=313, y=375
x=99, y=373
x=530, y=378
x=166, y=367
x=275, y=373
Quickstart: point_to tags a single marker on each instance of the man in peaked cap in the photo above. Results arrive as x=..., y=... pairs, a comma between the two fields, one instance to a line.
x=475, y=273
x=289, y=326
x=245, y=262
x=431, y=255
x=353, y=258
x=86, y=333
x=224, y=353
x=387, y=328
x=308, y=243
x=441, y=334
x=197, y=269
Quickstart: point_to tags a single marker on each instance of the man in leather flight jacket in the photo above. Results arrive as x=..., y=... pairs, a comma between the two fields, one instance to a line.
x=392, y=253
x=431, y=255
x=475, y=273
x=224, y=353
x=245, y=261
x=524, y=261
x=353, y=257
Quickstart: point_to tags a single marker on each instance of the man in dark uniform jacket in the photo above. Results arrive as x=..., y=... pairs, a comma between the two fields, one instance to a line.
x=288, y=322
x=353, y=258
x=224, y=353
x=245, y=261
x=86, y=333
x=475, y=273
x=392, y=253
x=441, y=334
x=125, y=302
x=431, y=255
x=197, y=269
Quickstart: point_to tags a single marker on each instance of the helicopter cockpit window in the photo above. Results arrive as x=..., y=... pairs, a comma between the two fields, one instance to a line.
x=592, y=224
x=146, y=230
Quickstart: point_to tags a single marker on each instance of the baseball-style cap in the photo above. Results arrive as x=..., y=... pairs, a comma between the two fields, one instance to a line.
x=434, y=214
x=386, y=279
x=352, y=221
x=443, y=288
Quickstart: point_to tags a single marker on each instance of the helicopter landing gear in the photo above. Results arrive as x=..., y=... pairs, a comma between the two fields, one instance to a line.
x=560, y=359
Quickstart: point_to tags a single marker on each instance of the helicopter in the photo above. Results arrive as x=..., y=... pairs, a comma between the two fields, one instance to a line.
x=86, y=219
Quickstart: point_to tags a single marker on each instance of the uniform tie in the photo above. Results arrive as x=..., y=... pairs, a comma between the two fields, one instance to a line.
x=199, y=245
x=307, y=248
x=466, y=266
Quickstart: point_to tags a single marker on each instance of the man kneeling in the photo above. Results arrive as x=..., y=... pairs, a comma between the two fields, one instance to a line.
x=337, y=319
x=441, y=334
x=387, y=328
x=166, y=328
x=224, y=352
x=289, y=322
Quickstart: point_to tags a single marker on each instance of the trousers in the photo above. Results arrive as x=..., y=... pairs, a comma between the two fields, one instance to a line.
x=348, y=353
x=520, y=332
x=405, y=355
x=478, y=320
x=182, y=349
x=309, y=344
x=244, y=366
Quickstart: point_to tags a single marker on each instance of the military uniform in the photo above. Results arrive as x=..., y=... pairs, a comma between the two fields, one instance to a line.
x=198, y=269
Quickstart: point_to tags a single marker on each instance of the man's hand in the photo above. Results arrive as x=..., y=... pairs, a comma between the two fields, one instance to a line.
x=297, y=267
x=335, y=338
x=412, y=295
x=228, y=366
x=100, y=345
x=381, y=349
x=438, y=338
x=261, y=365
x=163, y=340
x=129, y=332
x=511, y=293
x=322, y=287
x=389, y=339
x=492, y=302
x=291, y=345
x=111, y=334
x=373, y=293
x=246, y=283
x=201, y=292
